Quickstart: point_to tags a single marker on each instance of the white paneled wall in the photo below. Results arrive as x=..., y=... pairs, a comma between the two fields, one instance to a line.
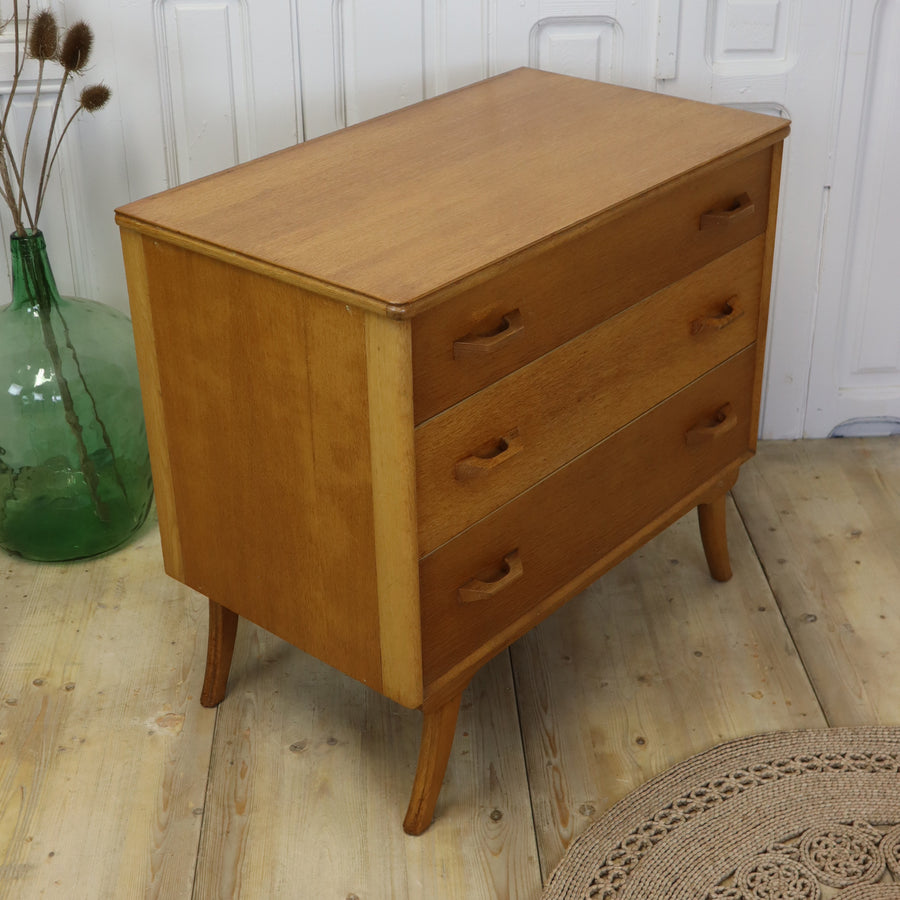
x=200, y=85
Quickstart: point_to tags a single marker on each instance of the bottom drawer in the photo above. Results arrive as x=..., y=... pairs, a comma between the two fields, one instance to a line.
x=484, y=579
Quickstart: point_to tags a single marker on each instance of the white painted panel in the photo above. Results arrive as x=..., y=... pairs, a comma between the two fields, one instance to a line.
x=582, y=46
x=378, y=58
x=360, y=59
x=613, y=40
x=855, y=372
x=206, y=71
x=753, y=37
x=668, y=21
x=457, y=42
x=872, y=322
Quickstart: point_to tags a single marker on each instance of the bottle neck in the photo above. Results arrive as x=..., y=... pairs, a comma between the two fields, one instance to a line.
x=33, y=284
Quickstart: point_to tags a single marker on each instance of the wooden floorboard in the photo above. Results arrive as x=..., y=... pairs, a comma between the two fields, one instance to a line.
x=115, y=783
x=825, y=519
x=653, y=663
x=311, y=775
x=104, y=748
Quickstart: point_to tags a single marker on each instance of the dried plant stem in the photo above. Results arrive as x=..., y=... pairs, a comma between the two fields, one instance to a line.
x=46, y=166
x=42, y=296
x=19, y=63
x=6, y=185
x=34, y=109
x=20, y=55
x=20, y=181
x=107, y=440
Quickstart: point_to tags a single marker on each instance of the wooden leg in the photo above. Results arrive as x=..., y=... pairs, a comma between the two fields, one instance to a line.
x=714, y=537
x=219, y=650
x=434, y=752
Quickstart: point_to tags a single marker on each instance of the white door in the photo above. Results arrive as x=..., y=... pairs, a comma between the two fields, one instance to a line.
x=855, y=374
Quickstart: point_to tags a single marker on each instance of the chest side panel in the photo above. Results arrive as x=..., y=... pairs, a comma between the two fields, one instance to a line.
x=265, y=392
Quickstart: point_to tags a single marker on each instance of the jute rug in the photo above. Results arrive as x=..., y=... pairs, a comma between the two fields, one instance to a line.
x=806, y=815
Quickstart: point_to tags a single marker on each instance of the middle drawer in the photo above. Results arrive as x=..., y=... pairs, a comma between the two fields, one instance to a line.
x=484, y=451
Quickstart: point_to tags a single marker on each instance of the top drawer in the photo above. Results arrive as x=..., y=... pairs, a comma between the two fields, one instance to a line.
x=519, y=314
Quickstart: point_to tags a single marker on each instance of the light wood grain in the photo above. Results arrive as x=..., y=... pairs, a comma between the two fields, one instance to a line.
x=565, y=402
x=104, y=748
x=769, y=258
x=311, y=774
x=390, y=426
x=151, y=398
x=265, y=400
x=653, y=663
x=473, y=190
x=825, y=518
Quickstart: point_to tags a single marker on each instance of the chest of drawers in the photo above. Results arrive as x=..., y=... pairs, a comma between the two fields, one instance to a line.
x=411, y=386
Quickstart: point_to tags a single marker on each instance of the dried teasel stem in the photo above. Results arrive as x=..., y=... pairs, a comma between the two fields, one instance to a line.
x=91, y=99
x=42, y=45
x=9, y=157
x=19, y=64
x=73, y=56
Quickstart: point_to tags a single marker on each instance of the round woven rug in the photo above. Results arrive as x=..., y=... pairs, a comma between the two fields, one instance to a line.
x=805, y=815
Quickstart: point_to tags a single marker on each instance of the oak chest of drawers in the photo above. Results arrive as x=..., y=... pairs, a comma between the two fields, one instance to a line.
x=411, y=386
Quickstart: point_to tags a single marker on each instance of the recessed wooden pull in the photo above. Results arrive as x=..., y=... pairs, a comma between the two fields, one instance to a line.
x=489, y=584
x=741, y=208
x=724, y=421
x=487, y=457
x=481, y=343
x=731, y=311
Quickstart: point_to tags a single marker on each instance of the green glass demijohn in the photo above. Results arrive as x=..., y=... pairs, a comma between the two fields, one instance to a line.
x=74, y=467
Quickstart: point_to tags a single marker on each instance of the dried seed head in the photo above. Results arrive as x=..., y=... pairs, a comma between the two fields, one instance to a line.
x=94, y=97
x=44, y=38
x=76, y=47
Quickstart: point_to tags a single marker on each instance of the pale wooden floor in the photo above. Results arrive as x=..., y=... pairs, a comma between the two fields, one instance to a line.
x=115, y=783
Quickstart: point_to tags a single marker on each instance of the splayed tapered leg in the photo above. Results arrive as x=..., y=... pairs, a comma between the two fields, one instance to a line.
x=438, y=730
x=219, y=650
x=714, y=536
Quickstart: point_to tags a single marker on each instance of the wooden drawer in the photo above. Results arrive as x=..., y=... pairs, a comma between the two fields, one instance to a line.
x=572, y=284
x=567, y=522
x=485, y=450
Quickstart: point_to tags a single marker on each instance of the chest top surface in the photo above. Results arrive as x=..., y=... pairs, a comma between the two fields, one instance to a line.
x=401, y=206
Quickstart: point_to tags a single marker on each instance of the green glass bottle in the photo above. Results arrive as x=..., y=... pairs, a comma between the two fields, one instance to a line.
x=74, y=467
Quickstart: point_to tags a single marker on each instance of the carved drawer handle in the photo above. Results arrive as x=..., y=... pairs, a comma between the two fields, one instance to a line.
x=742, y=207
x=486, y=587
x=474, y=344
x=486, y=458
x=731, y=311
x=725, y=420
